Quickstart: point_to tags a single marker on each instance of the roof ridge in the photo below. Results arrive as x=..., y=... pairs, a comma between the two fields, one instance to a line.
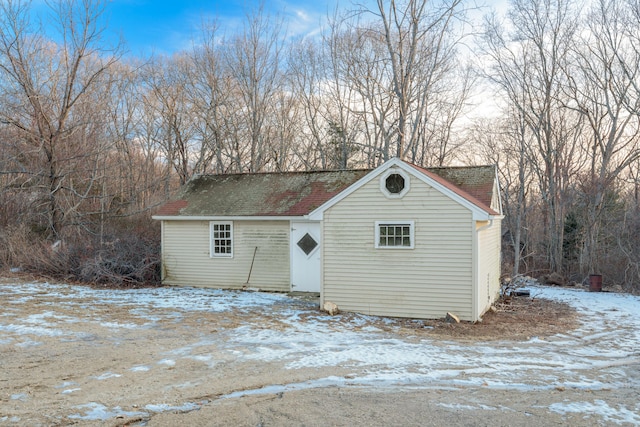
x=459, y=167
x=283, y=172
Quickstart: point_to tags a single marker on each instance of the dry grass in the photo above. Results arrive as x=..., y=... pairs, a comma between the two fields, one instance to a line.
x=125, y=258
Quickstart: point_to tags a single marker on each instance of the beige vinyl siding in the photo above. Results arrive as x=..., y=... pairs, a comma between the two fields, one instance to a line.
x=186, y=259
x=489, y=264
x=424, y=282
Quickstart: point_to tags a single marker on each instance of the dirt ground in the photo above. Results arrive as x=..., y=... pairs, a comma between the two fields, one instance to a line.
x=104, y=363
x=517, y=318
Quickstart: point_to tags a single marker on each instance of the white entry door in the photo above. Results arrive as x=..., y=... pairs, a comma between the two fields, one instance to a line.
x=305, y=256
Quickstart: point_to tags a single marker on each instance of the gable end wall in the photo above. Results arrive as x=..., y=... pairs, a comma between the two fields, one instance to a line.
x=425, y=282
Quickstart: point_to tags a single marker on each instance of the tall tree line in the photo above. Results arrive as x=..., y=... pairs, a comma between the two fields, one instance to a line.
x=567, y=77
x=91, y=136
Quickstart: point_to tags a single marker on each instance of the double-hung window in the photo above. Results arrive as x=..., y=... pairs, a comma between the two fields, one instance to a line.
x=221, y=239
x=394, y=234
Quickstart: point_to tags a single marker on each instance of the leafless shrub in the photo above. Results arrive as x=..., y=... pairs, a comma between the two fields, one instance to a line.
x=128, y=256
x=21, y=249
x=128, y=260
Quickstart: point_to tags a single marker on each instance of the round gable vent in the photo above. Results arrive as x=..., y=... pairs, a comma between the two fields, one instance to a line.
x=394, y=183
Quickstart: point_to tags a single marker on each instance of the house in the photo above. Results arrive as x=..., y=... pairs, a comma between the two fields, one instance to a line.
x=399, y=240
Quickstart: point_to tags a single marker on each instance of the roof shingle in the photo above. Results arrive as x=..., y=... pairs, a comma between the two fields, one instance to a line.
x=299, y=193
x=259, y=194
x=476, y=182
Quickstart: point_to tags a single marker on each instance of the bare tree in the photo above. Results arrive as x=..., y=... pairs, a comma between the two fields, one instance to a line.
x=503, y=141
x=527, y=65
x=419, y=51
x=134, y=158
x=306, y=79
x=253, y=61
x=48, y=89
x=601, y=86
x=209, y=91
x=167, y=99
x=364, y=71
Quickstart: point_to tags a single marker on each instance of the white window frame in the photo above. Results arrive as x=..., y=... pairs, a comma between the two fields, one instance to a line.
x=383, y=183
x=212, y=246
x=401, y=223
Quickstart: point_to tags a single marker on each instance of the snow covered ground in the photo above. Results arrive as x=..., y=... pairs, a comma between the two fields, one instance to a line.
x=603, y=353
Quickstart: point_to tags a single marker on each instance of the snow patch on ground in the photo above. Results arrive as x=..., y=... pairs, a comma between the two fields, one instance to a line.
x=620, y=415
x=608, y=337
x=162, y=407
x=19, y=396
x=97, y=412
x=281, y=388
x=93, y=411
x=106, y=376
x=592, y=357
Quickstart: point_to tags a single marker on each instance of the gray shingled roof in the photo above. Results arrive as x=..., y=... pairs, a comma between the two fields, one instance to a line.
x=299, y=193
x=478, y=181
x=259, y=194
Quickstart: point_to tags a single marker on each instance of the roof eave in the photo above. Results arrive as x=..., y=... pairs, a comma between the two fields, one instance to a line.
x=227, y=218
x=479, y=211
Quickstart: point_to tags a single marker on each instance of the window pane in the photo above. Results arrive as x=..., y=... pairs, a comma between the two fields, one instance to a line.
x=394, y=235
x=221, y=240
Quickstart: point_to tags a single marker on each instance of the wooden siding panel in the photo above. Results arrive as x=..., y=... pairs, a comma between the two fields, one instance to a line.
x=186, y=259
x=424, y=282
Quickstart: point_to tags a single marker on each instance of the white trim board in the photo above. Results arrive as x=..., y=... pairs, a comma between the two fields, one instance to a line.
x=478, y=213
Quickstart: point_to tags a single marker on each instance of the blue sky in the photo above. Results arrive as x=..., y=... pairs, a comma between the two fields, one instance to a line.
x=165, y=26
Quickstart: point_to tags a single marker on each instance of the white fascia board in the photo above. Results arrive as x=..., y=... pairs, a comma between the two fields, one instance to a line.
x=227, y=218
x=318, y=213
x=478, y=213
